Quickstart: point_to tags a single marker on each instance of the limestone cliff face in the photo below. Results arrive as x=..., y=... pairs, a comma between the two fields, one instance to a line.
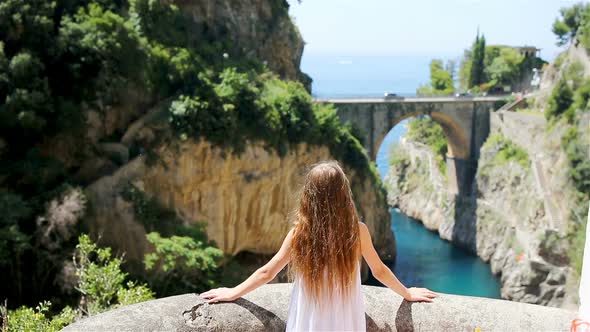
x=260, y=28
x=246, y=200
x=513, y=222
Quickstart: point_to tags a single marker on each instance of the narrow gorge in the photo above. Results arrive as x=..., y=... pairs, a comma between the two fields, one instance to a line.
x=524, y=204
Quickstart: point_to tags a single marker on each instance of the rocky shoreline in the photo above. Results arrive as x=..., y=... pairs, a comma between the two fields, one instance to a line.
x=504, y=222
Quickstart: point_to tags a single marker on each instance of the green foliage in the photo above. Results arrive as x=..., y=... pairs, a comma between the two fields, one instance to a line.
x=441, y=80
x=504, y=68
x=560, y=100
x=574, y=24
x=476, y=75
x=182, y=262
x=133, y=293
x=577, y=238
x=37, y=320
x=581, y=101
x=101, y=279
x=577, y=151
x=497, y=67
x=506, y=151
x=570, y=94
x=162, y=23
x=426, y=131
x=59, y=59
x=27, y=24
x=102, y=42
x=13, y=242
x=465, y=69
x=236, y=107
x=572, y=18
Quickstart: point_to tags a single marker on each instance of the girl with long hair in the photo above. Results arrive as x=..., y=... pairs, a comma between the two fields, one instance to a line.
x=323, y=250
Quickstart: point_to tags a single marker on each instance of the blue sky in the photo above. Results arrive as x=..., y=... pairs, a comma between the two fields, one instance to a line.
x=423, y=27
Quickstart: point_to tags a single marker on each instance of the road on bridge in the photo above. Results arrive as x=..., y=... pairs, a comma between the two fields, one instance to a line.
x=408, y=100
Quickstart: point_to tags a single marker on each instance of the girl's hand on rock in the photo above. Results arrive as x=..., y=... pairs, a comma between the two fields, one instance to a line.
x=420, y=295
x=219, y=295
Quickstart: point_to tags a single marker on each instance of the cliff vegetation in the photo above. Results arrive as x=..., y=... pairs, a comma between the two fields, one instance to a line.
x=91, y=89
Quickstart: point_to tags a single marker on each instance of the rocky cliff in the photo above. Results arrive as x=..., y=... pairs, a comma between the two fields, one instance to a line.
x=262, y=29
x=507, y=224
x=245, y=200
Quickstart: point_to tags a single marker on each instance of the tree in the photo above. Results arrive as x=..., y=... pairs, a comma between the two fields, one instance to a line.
x=504, y=68
x=465, y=69
x=477, y=73
x=441, y=80
x=451, y=67
x=572, y=19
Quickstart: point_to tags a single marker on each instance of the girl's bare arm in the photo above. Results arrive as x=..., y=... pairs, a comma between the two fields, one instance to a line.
x=384, y=274
x=257, y=279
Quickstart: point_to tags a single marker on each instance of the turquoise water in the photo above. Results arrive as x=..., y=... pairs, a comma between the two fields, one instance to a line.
x=424, y=260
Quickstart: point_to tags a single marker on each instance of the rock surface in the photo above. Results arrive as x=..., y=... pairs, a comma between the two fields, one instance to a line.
x=517, y=221
x=266, y=309
x=246, y=200
x=262, y=29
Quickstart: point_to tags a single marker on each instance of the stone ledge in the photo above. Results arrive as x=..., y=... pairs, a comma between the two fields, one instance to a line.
x=265, y=309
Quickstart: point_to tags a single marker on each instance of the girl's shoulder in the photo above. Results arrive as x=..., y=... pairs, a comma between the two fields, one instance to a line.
x=363, y=226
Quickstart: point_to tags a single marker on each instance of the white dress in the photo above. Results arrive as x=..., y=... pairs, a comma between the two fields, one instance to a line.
x=337, y=314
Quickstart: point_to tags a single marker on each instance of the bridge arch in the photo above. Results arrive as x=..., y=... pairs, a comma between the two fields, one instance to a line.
x=457, y=139
x=465, y=122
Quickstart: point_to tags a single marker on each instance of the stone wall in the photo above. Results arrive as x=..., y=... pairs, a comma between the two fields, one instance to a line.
x=266, y=309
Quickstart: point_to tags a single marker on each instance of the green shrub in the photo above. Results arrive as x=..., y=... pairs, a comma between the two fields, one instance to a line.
x=577, y=237
x=238, y=107
x=182, y=264
x=101, y=279
x=560, y=100
x=428, y=132
x=183, y=259
x=578, y=156
x=37, y=320
x=506, y=151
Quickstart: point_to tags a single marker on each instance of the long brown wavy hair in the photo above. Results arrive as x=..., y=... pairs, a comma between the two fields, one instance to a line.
x=325, y=248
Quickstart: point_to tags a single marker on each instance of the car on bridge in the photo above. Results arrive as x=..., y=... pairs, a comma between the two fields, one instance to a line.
x=463, y=95
x=390, y=96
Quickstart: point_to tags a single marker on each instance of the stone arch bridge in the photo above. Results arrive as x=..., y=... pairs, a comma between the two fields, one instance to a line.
x=465, y=122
